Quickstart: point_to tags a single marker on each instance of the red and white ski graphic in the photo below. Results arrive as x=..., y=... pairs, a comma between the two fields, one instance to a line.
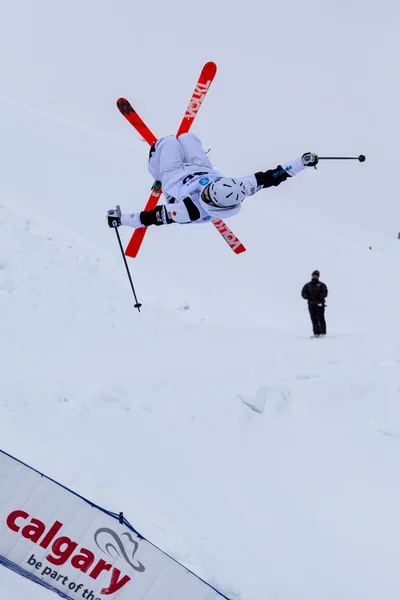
x=203, y=85
x=206, y=77
x=229, y=236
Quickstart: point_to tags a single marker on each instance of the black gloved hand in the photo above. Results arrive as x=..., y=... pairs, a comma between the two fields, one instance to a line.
x=309, y=159
x=114, y=217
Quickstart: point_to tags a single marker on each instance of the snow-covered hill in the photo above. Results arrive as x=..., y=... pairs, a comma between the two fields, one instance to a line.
x=142, y=412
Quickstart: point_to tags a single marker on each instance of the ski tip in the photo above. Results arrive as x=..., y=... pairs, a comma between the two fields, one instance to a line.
x=125, y=107
x=209, y=70
x=135, y=242
x=123, y=102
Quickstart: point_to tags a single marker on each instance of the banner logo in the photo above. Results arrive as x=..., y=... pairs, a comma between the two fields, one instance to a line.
x=63, y=551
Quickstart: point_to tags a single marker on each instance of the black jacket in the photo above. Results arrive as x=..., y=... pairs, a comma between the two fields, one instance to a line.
x=315, y=292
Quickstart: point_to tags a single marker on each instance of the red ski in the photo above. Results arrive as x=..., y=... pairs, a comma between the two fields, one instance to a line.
x=206, y=77
x=229, y=236
x=203, y=85
x=126, y=109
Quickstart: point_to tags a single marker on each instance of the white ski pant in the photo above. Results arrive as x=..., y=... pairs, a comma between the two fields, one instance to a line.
x=174, y=158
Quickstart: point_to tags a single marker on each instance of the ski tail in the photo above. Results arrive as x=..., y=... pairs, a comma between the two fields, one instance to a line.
x=203, y=85
x=229, y=236
x=137, y=237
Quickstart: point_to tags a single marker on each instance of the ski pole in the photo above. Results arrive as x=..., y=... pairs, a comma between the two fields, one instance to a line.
x=137, y=305
x=361, y=158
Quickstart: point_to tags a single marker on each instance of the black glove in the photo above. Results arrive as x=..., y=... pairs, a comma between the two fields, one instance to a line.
x=309, y=159
x=114, y=217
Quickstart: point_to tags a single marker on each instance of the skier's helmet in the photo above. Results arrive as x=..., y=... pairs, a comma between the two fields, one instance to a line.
x=224, y=192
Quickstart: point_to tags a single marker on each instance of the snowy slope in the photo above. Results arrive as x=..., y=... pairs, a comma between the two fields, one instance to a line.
x=142, y=413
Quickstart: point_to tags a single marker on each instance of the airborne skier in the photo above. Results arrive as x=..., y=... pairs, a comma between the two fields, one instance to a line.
x=194, y=190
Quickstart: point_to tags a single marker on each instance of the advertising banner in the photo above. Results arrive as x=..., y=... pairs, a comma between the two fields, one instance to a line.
x=62, y=541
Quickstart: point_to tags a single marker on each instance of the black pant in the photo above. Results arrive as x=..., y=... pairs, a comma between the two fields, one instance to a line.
x=317, y=314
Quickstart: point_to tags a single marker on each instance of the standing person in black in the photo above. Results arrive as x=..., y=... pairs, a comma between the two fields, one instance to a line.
x=315, y=293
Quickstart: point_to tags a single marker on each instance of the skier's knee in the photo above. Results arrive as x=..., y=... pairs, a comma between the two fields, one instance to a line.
x=159, y=143
x=188, y=136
